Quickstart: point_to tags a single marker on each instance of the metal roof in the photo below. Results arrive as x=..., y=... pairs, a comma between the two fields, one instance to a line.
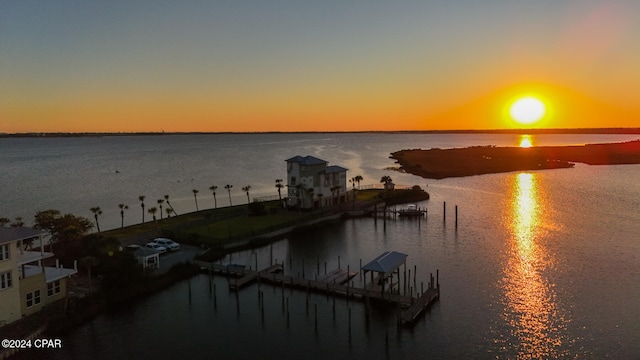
x=335, y=169
x=306, y=160
x=386, y=263
x=10, y=234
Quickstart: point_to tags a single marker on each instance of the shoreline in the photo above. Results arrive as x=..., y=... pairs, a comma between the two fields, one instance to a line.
x=603, y=131
x=479, y=160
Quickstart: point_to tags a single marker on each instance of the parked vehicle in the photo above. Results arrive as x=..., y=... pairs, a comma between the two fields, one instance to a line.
x=167, y=243
x=157, y=247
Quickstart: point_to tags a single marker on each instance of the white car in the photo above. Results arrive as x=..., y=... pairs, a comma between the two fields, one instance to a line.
x=157, y=247
x=167, y=244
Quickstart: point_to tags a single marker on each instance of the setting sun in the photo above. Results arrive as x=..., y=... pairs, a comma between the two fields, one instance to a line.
x=527, y=110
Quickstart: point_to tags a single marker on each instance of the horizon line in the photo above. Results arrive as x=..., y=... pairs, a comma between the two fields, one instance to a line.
x=600, y=130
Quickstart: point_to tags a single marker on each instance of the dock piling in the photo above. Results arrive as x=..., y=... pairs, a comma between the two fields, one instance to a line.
x=444, y=212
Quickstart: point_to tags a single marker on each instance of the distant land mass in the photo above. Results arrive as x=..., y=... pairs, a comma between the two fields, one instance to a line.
x=485, y=131
x=478, y=160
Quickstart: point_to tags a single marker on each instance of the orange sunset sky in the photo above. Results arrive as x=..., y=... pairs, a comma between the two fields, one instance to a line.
x=123, y=66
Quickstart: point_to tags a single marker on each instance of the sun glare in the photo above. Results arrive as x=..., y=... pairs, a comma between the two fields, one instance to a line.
x=525, y=141
x=527, y=110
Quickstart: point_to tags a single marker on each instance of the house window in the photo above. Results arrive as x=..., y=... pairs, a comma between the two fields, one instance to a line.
x=4, y=252
x=293, y=180
x=53, y=288
x=33, y=298
x=5, y=280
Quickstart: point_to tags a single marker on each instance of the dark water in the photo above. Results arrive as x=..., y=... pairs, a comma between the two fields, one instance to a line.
x=543, y=264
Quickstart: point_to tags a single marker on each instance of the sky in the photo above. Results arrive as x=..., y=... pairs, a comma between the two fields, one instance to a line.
x=217, y=66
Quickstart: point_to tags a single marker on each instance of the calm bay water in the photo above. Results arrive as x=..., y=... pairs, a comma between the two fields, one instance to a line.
x=543, y=264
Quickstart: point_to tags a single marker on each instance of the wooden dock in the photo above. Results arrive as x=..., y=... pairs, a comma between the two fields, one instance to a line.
x=334, y=283
x=423, y=302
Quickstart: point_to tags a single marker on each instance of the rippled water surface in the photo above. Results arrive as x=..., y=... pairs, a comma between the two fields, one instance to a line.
x=543, y=264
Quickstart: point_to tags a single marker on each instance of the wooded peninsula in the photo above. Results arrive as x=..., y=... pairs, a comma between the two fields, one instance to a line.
x=477, y=160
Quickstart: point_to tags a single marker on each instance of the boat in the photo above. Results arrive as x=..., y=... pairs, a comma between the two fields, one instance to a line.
x=411, y=210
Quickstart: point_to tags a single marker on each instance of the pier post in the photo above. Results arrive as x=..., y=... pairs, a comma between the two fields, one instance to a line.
x=405, y=279
x=349, y=325
x=456, y=216
x=215, y=298
x=315, y=310
x=334, y=305
x=444, y=211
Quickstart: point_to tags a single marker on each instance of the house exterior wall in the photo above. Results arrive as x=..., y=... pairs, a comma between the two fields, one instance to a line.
x=10, y=296
x=31, y=285
x=54, y=293
x=302, y=176
x=25, y=295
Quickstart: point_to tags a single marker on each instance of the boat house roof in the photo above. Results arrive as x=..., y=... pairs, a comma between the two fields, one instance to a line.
x=386, y=263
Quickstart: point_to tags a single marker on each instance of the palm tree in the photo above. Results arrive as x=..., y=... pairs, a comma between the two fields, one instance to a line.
x=335, y=190
x=310, y=192
x=358, y=178
x=228, y=187
x=386, y=180
x=169, y=211
x=247, y=188
x=195, y=196
x=215, y=201
x=166, y=198
x=96, y=211
x=153, y=211
x=299, y=189
x=160, y=201
x=353, y=182
x=89, y=262
x=4, y=221
x=279, y=186
x=141, y=198
x=122, y=207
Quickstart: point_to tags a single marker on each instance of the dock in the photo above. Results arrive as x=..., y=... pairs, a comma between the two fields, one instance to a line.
x=334, y=283
x=423, y=302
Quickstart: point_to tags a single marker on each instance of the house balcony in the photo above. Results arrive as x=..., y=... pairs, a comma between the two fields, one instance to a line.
x=51, y=273
x=26, y=257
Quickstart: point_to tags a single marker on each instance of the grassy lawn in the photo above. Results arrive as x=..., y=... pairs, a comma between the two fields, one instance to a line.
x=216, y=233
x=216, y=227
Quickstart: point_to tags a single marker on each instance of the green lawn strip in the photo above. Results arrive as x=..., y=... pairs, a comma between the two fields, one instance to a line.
x=242, y=226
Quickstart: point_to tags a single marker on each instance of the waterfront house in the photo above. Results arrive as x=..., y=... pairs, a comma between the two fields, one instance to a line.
x=312, y=183
x=26, y=285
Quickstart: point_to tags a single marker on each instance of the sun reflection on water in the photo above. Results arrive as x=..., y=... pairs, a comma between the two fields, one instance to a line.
x=526, y=141
x=530, y=308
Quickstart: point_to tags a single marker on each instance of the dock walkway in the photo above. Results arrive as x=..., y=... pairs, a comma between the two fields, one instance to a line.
x=334, y=283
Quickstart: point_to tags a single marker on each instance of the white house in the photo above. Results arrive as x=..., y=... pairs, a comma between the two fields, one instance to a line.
x=26, y=285
x=312, y=183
